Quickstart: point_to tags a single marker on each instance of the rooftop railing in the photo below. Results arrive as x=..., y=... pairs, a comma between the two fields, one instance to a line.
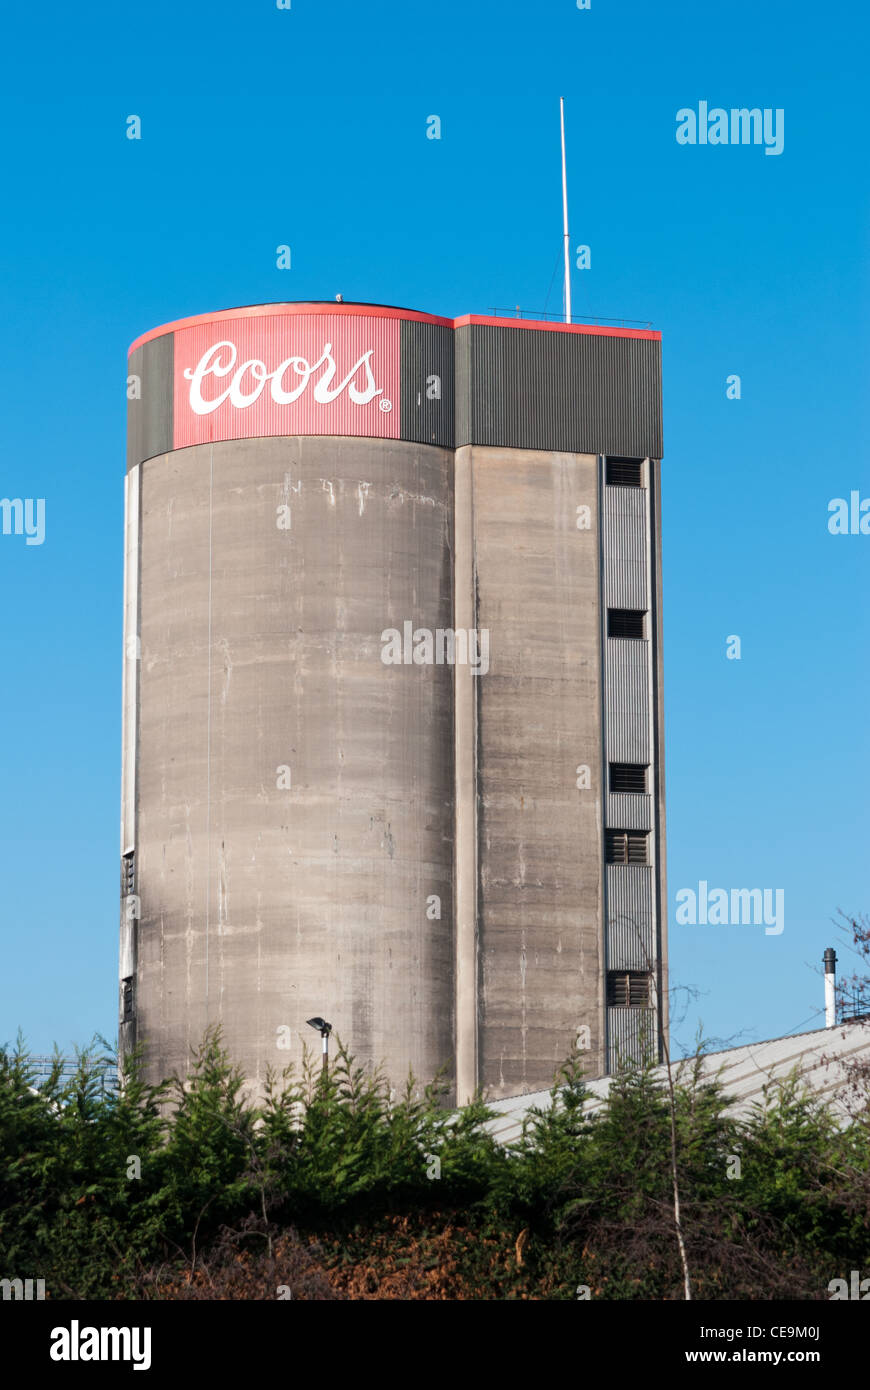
x=550, y=316
x=43, y=1067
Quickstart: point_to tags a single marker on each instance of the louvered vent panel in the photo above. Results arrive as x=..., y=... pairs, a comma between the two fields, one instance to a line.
x=625, y=847
x=624, y=472
x=628, y=989
x=128, y=874
x=626, y=622
x=628, y=777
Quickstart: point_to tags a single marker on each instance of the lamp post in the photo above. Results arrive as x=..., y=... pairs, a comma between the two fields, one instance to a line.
x=324, y=1029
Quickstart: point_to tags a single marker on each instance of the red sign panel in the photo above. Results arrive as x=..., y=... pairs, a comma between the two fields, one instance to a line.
x=286, y=374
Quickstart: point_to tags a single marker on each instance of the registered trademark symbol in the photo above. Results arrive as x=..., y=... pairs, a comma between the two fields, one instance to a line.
x=385, y=406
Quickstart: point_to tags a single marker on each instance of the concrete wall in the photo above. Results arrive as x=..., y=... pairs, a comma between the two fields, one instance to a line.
x=260, y=648
x=539, y=720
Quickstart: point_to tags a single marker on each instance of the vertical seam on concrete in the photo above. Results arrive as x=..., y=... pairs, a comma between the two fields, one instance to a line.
x=126, y=700
x=208, y=731
x=130, y=681
x=477, y=812
x=130, y=734
x=465, y=783
x=603, y=924
x=137, y=714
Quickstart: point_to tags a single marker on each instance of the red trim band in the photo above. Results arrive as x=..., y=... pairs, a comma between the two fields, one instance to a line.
x=381, y=311
x=556, y=327
x=258, y=311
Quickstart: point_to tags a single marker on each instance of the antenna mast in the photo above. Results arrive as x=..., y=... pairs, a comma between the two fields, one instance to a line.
x=565, y=216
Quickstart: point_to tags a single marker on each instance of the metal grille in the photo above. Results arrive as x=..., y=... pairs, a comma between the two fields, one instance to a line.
x=628, y=777
x=128, y=874
x=628, y=989
x=127, y=1005
x=625, y=847
x=625, y=622
x=624, y=472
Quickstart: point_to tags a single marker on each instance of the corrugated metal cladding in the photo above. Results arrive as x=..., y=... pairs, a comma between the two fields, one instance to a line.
x=631, y=934
x=629, y=811
x=516, y=388
x=627, y=697
x=574, y=392
x=625, y=557
x=149, y=418
x=427, y=383
x=291, y=346
x=462, y=352
x=631, y=1037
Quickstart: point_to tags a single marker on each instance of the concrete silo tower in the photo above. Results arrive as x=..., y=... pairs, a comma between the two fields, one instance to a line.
x=392, y=691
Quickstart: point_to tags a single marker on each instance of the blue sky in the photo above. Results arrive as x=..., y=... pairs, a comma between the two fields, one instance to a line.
x=307, y=127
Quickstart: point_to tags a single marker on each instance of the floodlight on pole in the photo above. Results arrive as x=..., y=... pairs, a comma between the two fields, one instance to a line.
x=324, y=1029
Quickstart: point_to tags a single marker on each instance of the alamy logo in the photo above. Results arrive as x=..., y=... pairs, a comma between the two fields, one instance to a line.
x=283, y=392
x=19, y=518
x=75, y=1343
x=857, y=1288
x=22, y=1288
x=717, y=907
x=447, y=645
x=739, y=126
x=850, y=518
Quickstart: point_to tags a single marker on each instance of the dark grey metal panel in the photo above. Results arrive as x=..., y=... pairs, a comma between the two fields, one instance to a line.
x=149, y=419
x=427, y=353
x=632, y=1038
x=625, y=528
x=462, y=349
x=628, y=811
x=631, y=941
x=627, y=697
x=578, y=392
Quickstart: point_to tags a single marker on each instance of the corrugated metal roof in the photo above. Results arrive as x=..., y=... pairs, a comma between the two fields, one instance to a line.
x=820, y=1057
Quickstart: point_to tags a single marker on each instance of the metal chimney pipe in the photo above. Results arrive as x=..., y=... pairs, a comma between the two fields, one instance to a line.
x=830, y=959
